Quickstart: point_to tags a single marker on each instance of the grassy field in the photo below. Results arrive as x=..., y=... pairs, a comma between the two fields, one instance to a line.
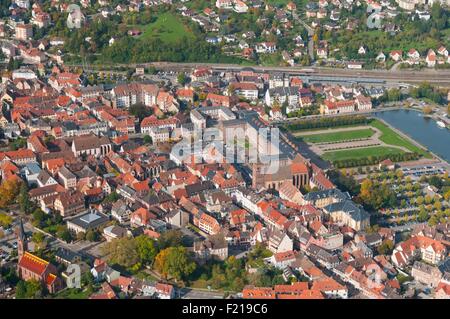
x=337, y=136
x=391, y=137
x=167, y=27
x=72, y=293
x=360, y=153
x=278, y=3
x=274, y=59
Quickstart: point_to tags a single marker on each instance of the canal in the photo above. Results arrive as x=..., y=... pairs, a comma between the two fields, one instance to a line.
x=422, y=129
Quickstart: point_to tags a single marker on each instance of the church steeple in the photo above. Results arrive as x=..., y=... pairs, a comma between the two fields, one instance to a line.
x=22, y=244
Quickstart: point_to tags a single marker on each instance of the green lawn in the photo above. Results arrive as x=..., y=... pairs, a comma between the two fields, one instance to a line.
x=391, y=137
x=167, y=27
x=279, y=3
x=72, y=293
x=337, y=136
x=274, y=59
x=360, y=153
x=145, y=276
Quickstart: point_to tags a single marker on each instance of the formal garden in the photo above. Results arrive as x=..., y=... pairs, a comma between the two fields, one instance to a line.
x=353, y=141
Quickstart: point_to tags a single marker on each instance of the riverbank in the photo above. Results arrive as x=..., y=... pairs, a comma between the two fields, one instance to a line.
x=433, y=139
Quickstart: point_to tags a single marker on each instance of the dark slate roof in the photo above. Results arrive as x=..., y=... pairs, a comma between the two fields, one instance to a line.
x=90, y=220
x=66, y=254
x=349, y=207
x=197, y=188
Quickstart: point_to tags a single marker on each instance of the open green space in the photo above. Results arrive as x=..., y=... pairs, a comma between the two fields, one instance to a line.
x=73, y=293
x=274, y=59
x=167, y=27
x=337, y=136
x=389, y=136
x=357, y=153
x=279, y=3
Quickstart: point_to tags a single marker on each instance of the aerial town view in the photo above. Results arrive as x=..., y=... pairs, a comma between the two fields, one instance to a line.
x=225, y=149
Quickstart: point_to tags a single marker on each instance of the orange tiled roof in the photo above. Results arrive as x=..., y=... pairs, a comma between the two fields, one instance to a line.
x=33, y=263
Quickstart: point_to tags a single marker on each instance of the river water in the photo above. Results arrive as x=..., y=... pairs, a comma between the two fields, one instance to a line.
x=422, y=129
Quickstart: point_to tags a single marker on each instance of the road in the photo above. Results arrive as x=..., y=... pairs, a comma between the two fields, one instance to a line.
x=310, y=34
x=438, y=77
x=406, y=227
x=189, y=293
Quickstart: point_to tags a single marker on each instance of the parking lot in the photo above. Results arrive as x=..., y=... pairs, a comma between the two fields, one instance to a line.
x=7, y=248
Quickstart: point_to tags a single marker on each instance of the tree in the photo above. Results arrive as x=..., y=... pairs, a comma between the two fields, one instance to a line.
x=91, y=235
x=111, y=198
x=170, y=238
x=9, y=189
x=182, y=78
x=437, y=205
x=13, y=64
x=148, y=139
x=21, y=290
x=386, y=247
x=447, y=195
x=433, y=221
x=87, y=279
x=122, y=252
x=26, y=206
x=5, y=220
x=38, y=217
x=38, y=238
x=419, y=200
x=140, y=111
x=423, y=214
x=147, y=249
x=174, y=262
x=29, y=289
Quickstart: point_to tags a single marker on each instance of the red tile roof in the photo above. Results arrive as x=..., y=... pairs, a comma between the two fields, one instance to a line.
x=33, y=263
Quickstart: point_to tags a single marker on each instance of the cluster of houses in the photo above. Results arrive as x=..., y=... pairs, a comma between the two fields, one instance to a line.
x=423, y=257
x=80, y=149
x=81, y=145
x=247, y=43
x=413, y=57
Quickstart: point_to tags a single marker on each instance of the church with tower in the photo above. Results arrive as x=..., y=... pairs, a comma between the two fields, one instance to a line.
x=31, y=267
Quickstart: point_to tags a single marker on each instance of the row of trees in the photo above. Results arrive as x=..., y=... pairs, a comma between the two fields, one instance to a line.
x=325, y=122
x=373, y=160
